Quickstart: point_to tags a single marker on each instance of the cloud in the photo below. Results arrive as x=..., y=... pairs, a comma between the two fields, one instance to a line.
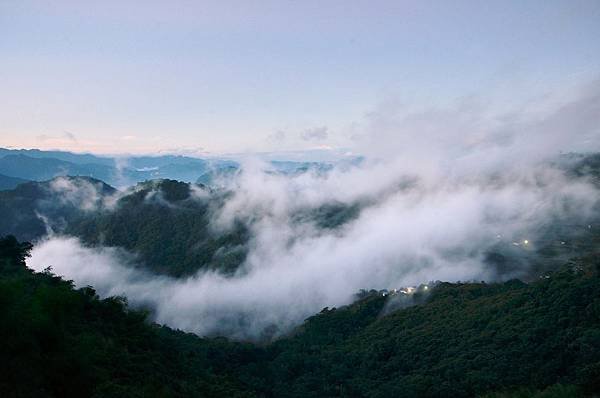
x=81, y=193
x=470, y=137
x=414, y=233
x=277, y=137
x=440, y=189
x=315, y=134
x=184, y=151
x=66, y=137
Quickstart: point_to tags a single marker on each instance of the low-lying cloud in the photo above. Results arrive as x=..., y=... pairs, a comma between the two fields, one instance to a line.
x=432, y=204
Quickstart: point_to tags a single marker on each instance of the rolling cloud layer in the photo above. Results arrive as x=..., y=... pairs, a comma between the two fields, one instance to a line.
x=437, y=191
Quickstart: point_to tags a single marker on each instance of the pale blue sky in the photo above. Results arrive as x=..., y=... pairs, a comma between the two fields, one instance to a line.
x=261, y=75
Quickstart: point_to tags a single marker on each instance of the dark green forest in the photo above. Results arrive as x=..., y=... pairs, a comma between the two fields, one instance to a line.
x=472, y=339
x=58, y=341
x=162, y=222
x=30, y=209
x=167, y=228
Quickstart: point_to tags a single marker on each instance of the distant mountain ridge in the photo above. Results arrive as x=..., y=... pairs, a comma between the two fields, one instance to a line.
x=40, y=169
x=119, y=172
x=8, y=182
x=79, y=158
x=38, y=165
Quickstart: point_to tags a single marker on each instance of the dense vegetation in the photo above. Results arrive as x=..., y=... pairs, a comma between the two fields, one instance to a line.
x=32, y=208
x=158, y=220
x=166, y=223
x=62, y=342
x=467, y=340
x=168, y=228
x=471, y=339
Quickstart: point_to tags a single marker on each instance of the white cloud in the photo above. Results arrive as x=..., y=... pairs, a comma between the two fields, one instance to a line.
x=442, y=187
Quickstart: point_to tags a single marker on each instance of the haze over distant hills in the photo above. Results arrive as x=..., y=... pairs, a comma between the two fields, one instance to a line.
x=7, y=182
x=38, y=165
x=43, y=165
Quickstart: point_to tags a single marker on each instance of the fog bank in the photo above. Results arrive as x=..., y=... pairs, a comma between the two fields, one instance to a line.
x=438, y=190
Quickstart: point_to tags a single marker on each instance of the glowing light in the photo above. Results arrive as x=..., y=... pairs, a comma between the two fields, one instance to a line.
x=408, y=290
x=525, y=242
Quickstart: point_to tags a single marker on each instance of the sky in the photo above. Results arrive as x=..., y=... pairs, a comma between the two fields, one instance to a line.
x=237, y=76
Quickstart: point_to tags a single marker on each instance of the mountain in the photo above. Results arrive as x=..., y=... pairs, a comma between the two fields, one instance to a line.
x=466, y=340
x=587, y=166
x=78, y=158
x=40, y=169
x=44, y=168
x=167, y=224
x=62, y=342
x=33, y=209
x=474, y=339
x=227, y=172
x=217, y=177
x=7, y=182
x=38, y=165
x=296, y=168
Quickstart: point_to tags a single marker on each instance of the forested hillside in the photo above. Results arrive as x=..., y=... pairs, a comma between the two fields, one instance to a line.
x=33, y=209
x=62, y=342
x=168, y=226
x=466, y=340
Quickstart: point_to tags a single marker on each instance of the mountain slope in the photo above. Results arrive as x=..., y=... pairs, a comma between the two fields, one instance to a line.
x=40, y=169
x=168, y=226
x=38, y=165
x=32, y=208
x=164, y=222
x=468, y=339
x=7, y=182
x=465, y=340
x=62, y=342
